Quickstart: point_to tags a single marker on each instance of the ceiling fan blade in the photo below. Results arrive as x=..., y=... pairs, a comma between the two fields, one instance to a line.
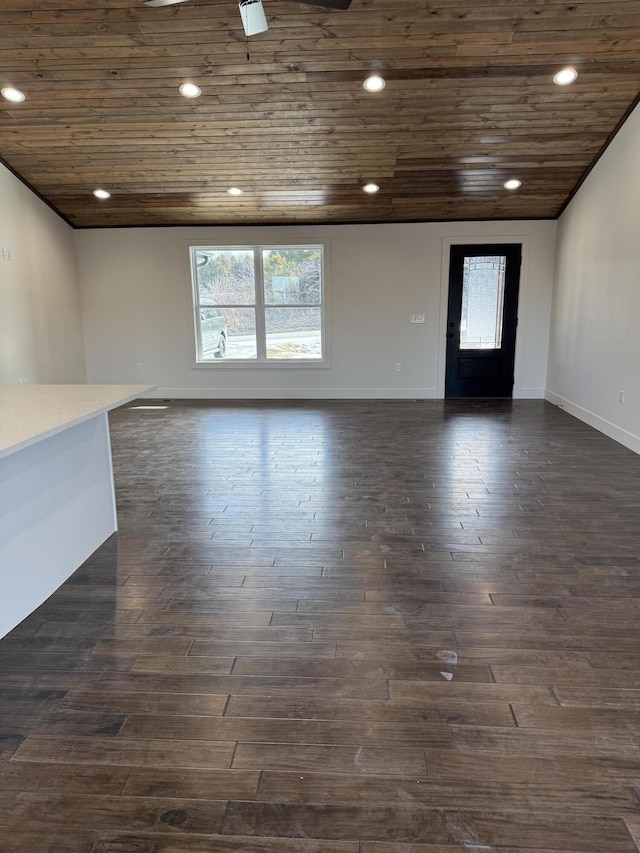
x=327, y=4
x=253, y=17
x=163, y=2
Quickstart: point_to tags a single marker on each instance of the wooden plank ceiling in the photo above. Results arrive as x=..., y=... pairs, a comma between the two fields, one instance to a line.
x=469, y=103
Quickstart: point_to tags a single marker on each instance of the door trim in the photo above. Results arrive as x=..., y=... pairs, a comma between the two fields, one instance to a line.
x=447, y=243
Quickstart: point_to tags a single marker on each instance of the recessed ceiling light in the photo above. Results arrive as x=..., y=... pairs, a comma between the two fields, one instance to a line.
x=564, y=77
x=102, y=194
x=513, y=184
x=190, y=90
x=12, y=94
x=235, y=191
x=374, y=83
x=371, y=188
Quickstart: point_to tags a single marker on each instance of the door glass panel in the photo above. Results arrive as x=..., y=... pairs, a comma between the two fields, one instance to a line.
x=482, y=302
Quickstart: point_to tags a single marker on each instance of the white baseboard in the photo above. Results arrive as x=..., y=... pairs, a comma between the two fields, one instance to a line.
x=316, y=394
x=294, y=394
x=622, y=436
x=529, y=394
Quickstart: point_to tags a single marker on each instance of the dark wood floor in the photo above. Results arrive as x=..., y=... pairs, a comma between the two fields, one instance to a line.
x=359, y=627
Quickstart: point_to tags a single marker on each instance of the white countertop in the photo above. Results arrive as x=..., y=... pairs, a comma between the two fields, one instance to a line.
x=31, y=413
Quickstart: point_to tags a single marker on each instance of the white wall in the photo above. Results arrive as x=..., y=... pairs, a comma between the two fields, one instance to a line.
x=136, y=309
x=40, y=324
x=595, y=335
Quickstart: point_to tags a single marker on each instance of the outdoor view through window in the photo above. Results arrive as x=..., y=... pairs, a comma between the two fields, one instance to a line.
x=259, y=303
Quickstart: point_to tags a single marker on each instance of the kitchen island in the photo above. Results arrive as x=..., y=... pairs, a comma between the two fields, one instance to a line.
x=57, y=498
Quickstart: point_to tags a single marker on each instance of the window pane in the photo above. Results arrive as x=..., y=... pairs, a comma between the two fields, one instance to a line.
x=294, y=332
x=236, y=327
x=241, y=323
x=225, y=276
x=292, y=276
x=482, y=302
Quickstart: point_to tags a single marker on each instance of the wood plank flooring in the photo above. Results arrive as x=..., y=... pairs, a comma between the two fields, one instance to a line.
x=339, y=627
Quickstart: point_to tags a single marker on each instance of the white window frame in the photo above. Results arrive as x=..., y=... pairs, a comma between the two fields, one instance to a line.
x=261, y=361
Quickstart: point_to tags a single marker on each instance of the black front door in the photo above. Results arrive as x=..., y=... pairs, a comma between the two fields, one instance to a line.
x=482, y=320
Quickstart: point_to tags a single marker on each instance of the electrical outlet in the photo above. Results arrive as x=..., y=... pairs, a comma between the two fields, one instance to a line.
x=139, y=367
x=7, y=254
x=398, y=366
x=416, y=318
x=621, y=397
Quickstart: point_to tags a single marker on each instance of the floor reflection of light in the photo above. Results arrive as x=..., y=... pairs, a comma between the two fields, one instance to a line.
x=475, y=445
x=265, y=468
x=283, y=486
x=148, y=408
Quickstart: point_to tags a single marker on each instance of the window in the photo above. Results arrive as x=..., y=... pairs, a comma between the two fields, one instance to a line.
x=258, y=304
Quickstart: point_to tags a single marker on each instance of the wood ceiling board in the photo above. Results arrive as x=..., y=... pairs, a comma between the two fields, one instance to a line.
x=469, y=103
